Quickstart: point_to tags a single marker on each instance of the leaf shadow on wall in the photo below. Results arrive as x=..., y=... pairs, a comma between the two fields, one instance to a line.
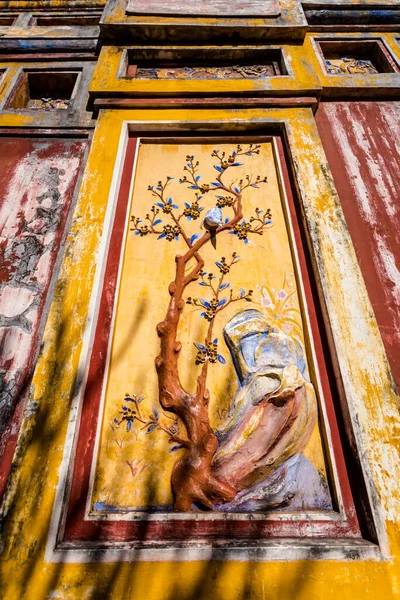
x=97, y=580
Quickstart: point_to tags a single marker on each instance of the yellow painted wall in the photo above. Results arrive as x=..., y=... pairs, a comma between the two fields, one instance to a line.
x=362, y=363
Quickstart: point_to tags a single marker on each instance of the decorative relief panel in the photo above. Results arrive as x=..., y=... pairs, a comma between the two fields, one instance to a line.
x=204, y=393
x=226, y=72
x=350, y=66
x=230, y=414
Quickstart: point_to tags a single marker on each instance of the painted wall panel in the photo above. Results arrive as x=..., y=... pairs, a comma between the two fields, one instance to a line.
x=37, y=183
x=361, y=140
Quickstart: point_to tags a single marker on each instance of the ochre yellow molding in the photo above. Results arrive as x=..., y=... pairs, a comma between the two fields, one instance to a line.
x=380, y=84
x=361, y=362
x=109, y=78
x=290, y=24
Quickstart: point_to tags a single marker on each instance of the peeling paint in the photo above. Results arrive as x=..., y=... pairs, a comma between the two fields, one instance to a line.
x=38, y=180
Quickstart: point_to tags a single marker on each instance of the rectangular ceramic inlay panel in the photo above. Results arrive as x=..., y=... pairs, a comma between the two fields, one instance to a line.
x=206, y=8
x=241, y=331
x=207, y=405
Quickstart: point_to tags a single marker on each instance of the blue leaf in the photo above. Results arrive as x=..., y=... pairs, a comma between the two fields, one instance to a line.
x=216, y=183
x=124, y=408
x=236, y=190
x=215, y=341
x=254, y=185
x=151, y=428
x=194, y=237
x=156, y=413
x=234, y=153
x=242, y=292
x=246, y=241
x=237, y=164
x=189, y=218
x=227, y=220
x=193, y=187
x=175, y=448
x=222, y=302
x=232, y=232
x=249, y=153
x=219, y=265
x=221, y=359
x=137, y=232
x=175, y=206
x=177, y=238
x=141, y=398
x=205, y=303
x=197, y=178
x=129, y=425
x=162, y=235
x=223, y=286
x=159, y=204
x=128, y=399
x=203, y=283
x=199, y=346
x=157, y=222
x=169, y=200
x=220, y=197
x=159, y=188
x=116, y=420
x=203, y=314
x=218, y=168
x=187, y=205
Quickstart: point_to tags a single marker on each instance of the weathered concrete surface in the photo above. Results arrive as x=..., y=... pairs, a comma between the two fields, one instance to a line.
x=361, y=142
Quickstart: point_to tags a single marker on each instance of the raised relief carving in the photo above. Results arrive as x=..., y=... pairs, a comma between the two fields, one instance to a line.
x=350, y=66
x=244, y=446
x=226, y=72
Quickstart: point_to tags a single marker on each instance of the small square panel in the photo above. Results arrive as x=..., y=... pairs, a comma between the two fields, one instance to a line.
x=364, y=57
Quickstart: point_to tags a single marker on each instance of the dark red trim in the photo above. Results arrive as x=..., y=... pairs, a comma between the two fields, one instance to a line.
x=77, y=528
x=303, y=101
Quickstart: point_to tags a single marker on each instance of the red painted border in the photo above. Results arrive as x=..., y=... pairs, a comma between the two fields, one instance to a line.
x=79, y=529
x=9, y=439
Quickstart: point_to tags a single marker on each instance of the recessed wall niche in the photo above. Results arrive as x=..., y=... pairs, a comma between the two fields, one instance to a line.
x=348, y=57
x=235, y=64
x=43, y=90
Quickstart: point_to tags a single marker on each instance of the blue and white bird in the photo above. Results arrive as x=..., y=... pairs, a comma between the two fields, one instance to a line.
x=212, y=220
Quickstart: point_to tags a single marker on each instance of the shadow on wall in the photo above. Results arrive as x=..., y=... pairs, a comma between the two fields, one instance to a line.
x=30, y=502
